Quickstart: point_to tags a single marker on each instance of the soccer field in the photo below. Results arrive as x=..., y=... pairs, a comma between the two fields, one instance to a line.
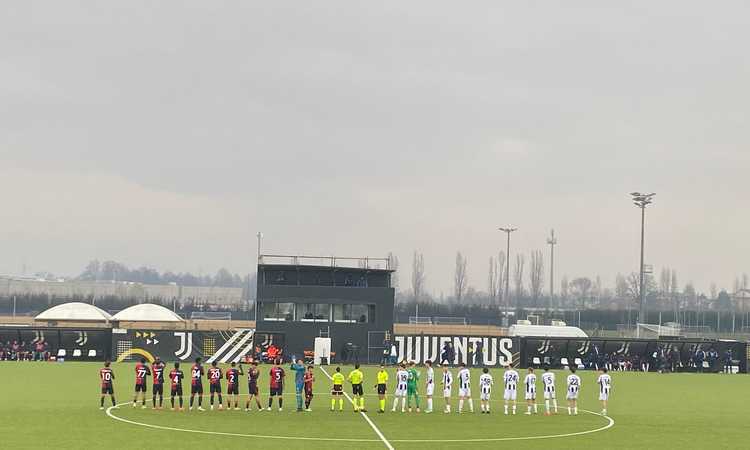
x=56, y=405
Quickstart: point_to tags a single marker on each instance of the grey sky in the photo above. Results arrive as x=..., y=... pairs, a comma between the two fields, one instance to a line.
x=168, y=134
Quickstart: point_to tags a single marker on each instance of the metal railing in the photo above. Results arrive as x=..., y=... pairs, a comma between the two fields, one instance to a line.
x=365, y=262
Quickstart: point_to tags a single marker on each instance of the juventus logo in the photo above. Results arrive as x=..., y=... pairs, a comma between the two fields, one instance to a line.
x=83, y=338
x=186, y=345
x=584, y=348
x=624, y=348
x=544, y=347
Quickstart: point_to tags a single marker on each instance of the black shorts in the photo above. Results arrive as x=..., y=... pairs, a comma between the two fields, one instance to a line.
x=214, y=388
x=108, y=390
x=233, y=389
x=277, y=391
x=357, y=389
x=252, y=389
x=158, y=389
x=177, y=390
x=308, y=391
x=381, y=389
x=140, y=387
x=337, y=389
x=196, y=389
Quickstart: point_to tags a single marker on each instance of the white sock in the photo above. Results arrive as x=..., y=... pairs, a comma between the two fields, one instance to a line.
x=447, y=406
x=471, y=405
x=488, y=407
x=395, y=403
x=535, y=409
x=460, y=405
x=506, y=409
x=481, y=406
x=554, y=403
x=429, y=404
x=569, y=411
x=528, y=409
x=514, y=409
x=403, y=403
x=546, y=405
x=575, y=410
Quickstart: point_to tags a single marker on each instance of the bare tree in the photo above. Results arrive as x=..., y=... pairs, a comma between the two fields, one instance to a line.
x=674, y=294
x=581, y=289
x=500, y=264
x=459, y=281
x=393, y=265
x=745, y=281
x=518, y=277
x=492, y=281
x=564, y=287
x=536, y=274
x=417, y=275
x=713, y=291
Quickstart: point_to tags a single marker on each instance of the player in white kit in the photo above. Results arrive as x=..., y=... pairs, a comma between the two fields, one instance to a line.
x=485, y=389
x=429, y=385
x=605, y=384
x=574, y=386
x=464, y=388
x=530, y=396
x=548, y=381
x=510, y=378
x=402, y=376
x=447, y=384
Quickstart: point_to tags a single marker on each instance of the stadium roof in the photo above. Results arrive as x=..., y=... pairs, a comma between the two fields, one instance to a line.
x=75, y=311
x=545, y=331
x=147, y=312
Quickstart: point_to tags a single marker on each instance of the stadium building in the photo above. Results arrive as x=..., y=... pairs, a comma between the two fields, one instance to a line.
x=349, y=300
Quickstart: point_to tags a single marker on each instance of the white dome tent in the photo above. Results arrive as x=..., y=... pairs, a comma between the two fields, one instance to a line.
x=147, y=312
x=75, y=311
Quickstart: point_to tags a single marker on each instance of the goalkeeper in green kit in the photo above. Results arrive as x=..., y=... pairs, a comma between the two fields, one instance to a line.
x=411, y=385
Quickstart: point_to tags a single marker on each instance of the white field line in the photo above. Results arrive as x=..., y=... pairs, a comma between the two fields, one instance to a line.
x=363, y=414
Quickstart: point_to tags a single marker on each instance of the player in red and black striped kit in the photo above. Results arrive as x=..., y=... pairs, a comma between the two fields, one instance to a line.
x=107, y=377
x=214, y=383
x=233, y=385
x=157, y=370
x=141, y=372
x=196, y=384
x=252, y=386
x=277, y=385
x=176, y=377
x=308, y=379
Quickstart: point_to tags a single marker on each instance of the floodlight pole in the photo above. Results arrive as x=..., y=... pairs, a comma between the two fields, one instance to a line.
x=508, y=231
x=641, y=201
x=552, y=241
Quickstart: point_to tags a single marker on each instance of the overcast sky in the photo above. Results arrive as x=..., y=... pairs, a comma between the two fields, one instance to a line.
x=169, y=133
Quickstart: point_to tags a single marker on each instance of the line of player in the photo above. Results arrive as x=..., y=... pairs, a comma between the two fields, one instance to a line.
x=407, y=387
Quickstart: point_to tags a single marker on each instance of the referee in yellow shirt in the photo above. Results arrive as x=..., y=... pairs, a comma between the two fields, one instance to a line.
x=355, y=378
x=381, y=387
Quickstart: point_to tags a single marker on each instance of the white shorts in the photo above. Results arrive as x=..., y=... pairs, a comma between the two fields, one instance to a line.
x=484, y=396
x=530, y=395
x=510, y=394
x=572, y=395
x=400, y=392
x=430, y=389
x=604, y=395
x=464, y=392
x=549, y=394
x=447, y=392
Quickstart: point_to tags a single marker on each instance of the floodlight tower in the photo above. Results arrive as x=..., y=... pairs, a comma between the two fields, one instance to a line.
x=641, y=201
x=508, y=231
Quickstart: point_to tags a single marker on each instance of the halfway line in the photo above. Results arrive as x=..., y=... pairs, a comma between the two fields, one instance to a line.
x=372, y=425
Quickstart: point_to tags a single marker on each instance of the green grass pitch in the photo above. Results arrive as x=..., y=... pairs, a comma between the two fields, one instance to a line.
x=56, y=405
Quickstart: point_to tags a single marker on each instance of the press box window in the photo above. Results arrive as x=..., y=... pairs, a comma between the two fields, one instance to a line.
x=279, y=312
x=354, y=313
x=313, y=312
